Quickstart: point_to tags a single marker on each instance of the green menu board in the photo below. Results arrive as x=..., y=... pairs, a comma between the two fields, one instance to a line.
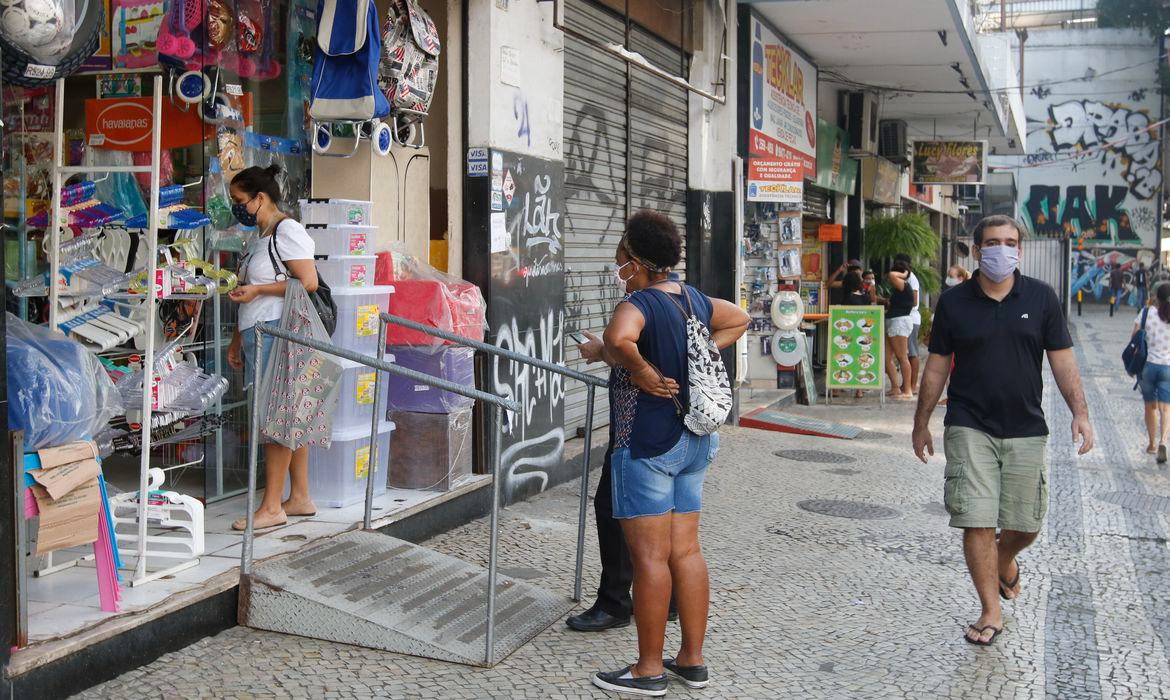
x=856, y=358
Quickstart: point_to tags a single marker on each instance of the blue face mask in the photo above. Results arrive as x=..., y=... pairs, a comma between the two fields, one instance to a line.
x=998, y=262
x=240, y=211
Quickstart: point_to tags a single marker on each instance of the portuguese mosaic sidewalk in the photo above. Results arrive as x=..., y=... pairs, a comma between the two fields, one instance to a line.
x=833, y=572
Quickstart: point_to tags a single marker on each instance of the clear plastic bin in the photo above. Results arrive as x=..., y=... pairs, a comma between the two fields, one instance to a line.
x=336, y=212
x=343, y=240
x=337, y=476
x=355, y=401
x=357, y=316
x=348, y=270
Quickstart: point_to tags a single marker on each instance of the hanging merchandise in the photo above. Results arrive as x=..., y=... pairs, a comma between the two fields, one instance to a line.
x=301, y=36
x=57, y=390
x=43, y=40
x=409, y=68
x=134, y=30
x=345, y=91
x=177, y=214
x=80, y=207
x=787, y=310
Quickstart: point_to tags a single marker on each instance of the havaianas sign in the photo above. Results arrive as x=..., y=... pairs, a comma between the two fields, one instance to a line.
x=125, y=124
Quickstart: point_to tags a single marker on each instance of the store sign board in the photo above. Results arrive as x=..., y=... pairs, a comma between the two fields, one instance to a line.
x=856, y=351
x=783, y=100
x=124, y=124
x=775, y=180
x=950, y=162
x=831, y=233
x=836, y=171
x=886, y=180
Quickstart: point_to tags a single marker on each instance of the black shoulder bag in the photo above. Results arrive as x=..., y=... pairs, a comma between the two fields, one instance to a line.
x=322, y=297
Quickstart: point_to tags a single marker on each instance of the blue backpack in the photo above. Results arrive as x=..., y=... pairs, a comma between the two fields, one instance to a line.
x=344, y=86
x=1134, y=354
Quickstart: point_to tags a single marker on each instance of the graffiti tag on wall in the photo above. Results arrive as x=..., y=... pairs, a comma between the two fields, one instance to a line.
x=526, y=315
x=1119, y=138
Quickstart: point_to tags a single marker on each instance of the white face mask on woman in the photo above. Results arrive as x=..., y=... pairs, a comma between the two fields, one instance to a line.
x=953, y=281
x=617, y=276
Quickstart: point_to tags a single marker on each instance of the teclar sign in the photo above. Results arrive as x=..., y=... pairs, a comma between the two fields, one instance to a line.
x=126, y=123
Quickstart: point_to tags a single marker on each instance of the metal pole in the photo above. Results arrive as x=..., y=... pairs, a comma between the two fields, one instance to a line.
x=494, y=532
x=590, y=390
x=253, y=454
x=20, y=536
x=374, y=456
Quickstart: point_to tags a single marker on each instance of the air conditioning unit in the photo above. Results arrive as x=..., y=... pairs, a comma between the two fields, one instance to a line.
x=892, y=141
x=861, y=121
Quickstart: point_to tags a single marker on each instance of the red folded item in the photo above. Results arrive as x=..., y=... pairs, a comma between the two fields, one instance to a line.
x=451, y=307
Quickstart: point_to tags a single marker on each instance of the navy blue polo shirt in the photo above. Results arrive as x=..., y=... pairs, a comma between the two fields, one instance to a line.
x=998, y=347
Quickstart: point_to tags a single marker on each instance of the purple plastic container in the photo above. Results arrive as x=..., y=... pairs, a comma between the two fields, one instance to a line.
x=454, y=364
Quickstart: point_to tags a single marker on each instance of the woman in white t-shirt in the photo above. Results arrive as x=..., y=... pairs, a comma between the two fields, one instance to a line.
x=1155, y=378
x=281, y=243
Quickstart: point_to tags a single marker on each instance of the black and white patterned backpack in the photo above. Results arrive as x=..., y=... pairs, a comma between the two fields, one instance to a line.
x=707, y=382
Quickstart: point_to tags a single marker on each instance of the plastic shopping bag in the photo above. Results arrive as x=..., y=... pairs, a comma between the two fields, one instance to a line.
x=58, y=391
x=300, y=384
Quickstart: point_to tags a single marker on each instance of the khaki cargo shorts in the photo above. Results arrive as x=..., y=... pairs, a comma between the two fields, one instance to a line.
x=995, y=483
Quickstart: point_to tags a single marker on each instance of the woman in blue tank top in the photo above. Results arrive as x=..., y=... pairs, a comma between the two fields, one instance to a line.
x=658, y=465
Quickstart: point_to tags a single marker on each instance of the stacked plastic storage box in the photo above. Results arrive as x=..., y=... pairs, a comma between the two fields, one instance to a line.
x=343, y=237
x=438, y=422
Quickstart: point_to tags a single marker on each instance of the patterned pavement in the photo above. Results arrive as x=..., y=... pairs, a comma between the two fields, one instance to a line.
x=861, y=603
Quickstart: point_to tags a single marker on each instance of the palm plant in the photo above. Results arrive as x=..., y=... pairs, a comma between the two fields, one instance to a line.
x=887, y=236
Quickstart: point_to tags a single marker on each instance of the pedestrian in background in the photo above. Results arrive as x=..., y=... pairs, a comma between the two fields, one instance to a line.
x=916, y=319
x=956, y=275
x=997, y=327
x=658, y=466
x=1155, y=376
x=1116, y=282
x=899, y=327
x=1141, y=285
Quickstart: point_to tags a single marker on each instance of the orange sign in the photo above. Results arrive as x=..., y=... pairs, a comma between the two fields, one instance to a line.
x=832, y=233
x=124, y=124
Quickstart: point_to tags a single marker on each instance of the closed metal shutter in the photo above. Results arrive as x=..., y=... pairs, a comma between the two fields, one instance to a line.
x=816, y=202
x=598, y=153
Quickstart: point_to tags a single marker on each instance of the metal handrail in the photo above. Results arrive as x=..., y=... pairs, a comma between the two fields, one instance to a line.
x=591, y=383
x=379, y=365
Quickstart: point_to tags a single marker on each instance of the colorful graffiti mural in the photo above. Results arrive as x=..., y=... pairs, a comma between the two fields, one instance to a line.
x=1092, y=271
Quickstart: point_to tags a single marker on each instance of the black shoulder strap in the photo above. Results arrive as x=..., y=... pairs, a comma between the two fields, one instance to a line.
x=274, y=254
x=1145, y=315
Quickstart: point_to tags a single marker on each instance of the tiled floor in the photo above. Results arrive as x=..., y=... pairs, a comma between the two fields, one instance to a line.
x=65, y=602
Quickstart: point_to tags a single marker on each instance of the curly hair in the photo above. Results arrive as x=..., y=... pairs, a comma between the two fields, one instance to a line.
x=653, y=239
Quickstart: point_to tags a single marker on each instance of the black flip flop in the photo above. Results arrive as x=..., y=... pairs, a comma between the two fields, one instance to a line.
x=996, y=631
x=1009, y=584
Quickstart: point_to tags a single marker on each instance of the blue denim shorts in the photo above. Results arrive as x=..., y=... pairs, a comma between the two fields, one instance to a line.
x=248, y=338
x=672, y=481
x=1155, y=383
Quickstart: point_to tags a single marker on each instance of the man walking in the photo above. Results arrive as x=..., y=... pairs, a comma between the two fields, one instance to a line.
x=997, y=327
x=916, y=319
x=1141, y=284
x=1116, y=282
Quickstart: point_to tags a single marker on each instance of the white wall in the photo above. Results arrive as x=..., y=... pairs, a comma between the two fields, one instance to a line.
x=713, y=127
x=516, y=106
x=1087, y=137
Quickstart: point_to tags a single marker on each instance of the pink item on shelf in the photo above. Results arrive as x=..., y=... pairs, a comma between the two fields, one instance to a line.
x=30, y=504
x=109, y=590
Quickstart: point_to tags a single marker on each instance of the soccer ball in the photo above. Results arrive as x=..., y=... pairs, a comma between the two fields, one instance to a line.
x=32, y=24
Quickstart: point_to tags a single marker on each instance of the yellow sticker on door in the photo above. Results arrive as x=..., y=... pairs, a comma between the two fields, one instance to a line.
x=365, y=389
x=367, y=319
x=361, y=462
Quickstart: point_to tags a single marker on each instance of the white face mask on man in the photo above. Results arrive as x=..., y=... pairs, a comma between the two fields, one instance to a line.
x=998, y=262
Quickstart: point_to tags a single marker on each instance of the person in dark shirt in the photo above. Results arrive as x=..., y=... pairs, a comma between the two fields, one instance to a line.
x=1116, y=282
x=998, y=326
x=1141, y=284
x=899, y=328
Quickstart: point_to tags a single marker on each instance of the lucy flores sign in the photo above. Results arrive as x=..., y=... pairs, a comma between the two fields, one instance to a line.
x=773, y=180
x=783, y=101
x=950, y=162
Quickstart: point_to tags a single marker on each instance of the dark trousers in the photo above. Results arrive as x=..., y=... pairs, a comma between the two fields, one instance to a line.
x=617, y=573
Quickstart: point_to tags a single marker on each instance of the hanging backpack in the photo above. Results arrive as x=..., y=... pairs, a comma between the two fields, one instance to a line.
x=707, y=383
x=1134, y=354
x=345, y=63
x=410, y=62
